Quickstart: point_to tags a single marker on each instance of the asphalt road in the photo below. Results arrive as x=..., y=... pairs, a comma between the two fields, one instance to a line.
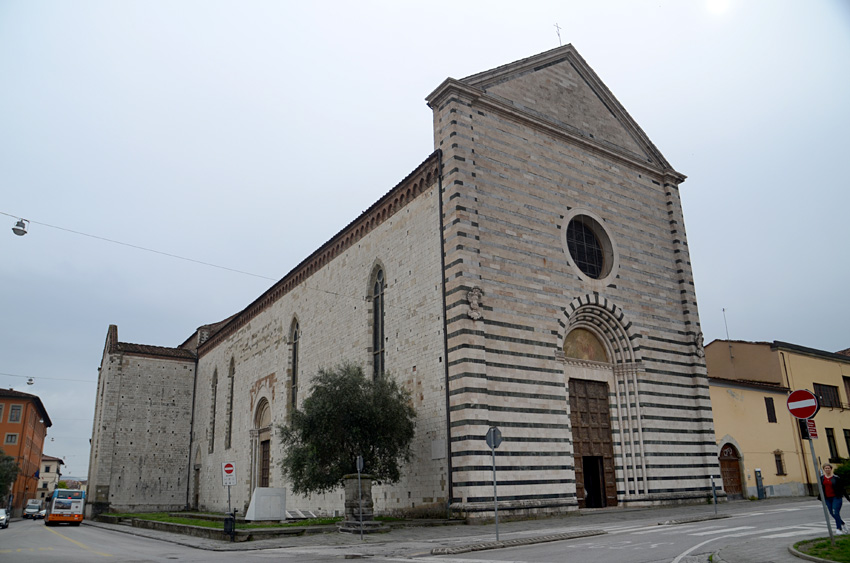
x=751, y=532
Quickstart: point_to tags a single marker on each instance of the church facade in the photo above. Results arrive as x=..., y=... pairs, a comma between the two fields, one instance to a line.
x=531, y=274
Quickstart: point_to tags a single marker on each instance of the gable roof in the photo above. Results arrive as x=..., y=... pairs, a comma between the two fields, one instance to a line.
x=557, y=89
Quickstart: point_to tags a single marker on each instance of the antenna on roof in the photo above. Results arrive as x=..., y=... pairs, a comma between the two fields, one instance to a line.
x=731, y=357
x=558, y=31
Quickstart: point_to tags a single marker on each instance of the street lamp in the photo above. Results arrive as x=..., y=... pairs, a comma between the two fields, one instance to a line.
x=20, y=227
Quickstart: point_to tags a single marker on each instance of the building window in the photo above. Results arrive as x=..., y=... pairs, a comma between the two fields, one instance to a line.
x=833, y=448
x=228, y=430
x=294, y=338
x=828, y=395
x=47, y=469
x=847, y=440
x=780, y=464
x=15, y=413
x=11, y=439
x=1, y=412
x=213, y=394
x=378, y=351
x=771, y=411
x=44, y=485
x=846, y=386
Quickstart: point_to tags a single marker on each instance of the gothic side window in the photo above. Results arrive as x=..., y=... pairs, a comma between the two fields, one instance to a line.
x=213, y=392
x=294, y=337
x=228, y=430
x=378, y=340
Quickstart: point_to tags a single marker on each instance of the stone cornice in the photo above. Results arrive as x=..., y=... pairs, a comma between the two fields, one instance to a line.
x=391, y=203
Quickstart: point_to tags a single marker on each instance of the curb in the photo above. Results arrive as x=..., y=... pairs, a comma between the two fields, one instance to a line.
x=514, y=543
x=806, y=556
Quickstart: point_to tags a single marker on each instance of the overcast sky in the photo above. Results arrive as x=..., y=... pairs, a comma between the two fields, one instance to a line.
x=246, y=134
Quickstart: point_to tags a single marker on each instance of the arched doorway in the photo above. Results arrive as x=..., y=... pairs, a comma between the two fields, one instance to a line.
x=593, y=449
x=730, y=471
x=263, y=426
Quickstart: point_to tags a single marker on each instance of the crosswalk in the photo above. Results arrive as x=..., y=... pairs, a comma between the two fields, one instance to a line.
x=732, y=531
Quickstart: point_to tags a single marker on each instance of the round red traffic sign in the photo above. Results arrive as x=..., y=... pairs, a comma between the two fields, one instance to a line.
x=228, y=468
x=803, y=404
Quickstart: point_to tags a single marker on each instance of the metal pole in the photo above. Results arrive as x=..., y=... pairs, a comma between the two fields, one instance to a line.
x=360, y=498
x=820, y=490
x=228, y=500
x=495, y=496
x=714, y=492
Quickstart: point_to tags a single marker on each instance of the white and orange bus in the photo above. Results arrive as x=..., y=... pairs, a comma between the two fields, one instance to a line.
x=65, y=505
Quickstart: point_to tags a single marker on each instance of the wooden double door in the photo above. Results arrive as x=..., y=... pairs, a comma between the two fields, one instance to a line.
x=596, y=484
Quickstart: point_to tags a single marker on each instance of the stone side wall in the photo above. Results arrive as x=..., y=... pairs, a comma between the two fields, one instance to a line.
x=334, y=316
x=140, y=437
x=515, y=167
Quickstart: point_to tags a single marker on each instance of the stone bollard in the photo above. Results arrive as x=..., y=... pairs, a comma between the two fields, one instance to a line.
x=353, y=502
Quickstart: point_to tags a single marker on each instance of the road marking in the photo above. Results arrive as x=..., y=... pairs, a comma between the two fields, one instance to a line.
x=721, y=531
x=75, y=542
x=810, y=531
x=21, y=550
x=662, y=529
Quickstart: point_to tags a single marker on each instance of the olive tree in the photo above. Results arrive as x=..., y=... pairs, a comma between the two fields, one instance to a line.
x=346, y=415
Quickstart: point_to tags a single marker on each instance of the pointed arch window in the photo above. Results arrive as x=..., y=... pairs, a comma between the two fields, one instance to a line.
x=294, y=337
x=228, y=430
x=213, y=393
x=378, y=339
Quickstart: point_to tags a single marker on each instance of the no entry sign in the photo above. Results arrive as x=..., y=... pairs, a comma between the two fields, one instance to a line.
x=803, y=404
x=228, y=473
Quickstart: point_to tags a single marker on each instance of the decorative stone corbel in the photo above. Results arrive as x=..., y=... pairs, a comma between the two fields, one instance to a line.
x=473, y=296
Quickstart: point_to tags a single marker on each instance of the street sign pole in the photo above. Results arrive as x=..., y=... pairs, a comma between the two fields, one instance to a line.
x=360, y=492
x=493, y=439
x=820, y=490
x=804, y=404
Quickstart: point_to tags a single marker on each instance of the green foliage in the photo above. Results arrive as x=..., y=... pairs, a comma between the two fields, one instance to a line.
x=188, y=520
x=824, y=550
x=346, y=415
x=62, y=485
x=8, y=473
x=842, y=470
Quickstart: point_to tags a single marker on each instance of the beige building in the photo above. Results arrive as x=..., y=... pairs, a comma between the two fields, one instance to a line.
x=532, y=274
x=757, y=437
x=50, y=474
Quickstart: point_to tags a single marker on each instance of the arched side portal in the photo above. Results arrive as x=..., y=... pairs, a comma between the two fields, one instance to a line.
x=261, y=436
x=730, y=471
x=600, y=370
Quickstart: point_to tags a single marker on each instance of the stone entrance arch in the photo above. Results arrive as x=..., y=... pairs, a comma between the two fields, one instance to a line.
x=601, y=372
x=261, y=436
x=730, y=471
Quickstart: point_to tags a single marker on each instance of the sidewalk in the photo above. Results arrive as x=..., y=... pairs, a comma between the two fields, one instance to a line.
x=450, y=540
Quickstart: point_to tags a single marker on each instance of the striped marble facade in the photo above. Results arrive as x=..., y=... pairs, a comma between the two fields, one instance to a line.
x=526, y=147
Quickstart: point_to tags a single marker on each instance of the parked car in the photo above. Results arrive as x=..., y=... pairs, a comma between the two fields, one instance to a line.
x=41, y=514
x=4, y=518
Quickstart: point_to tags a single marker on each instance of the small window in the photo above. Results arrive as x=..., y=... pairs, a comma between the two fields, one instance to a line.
x=780, y=464
x=847, y=440
x=11, y=439
x=378, y=338
x=771, y=410
x=44, y=485
x=294, y=339
x=833, y=448
x=47, y=469
x=828, y=395
x=15, y=413
x=846, y=385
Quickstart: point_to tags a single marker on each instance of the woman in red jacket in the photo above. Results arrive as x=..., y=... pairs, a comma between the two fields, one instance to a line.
x=833, y=492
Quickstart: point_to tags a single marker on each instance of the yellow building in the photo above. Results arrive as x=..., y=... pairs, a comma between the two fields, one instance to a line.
x=757, y=437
